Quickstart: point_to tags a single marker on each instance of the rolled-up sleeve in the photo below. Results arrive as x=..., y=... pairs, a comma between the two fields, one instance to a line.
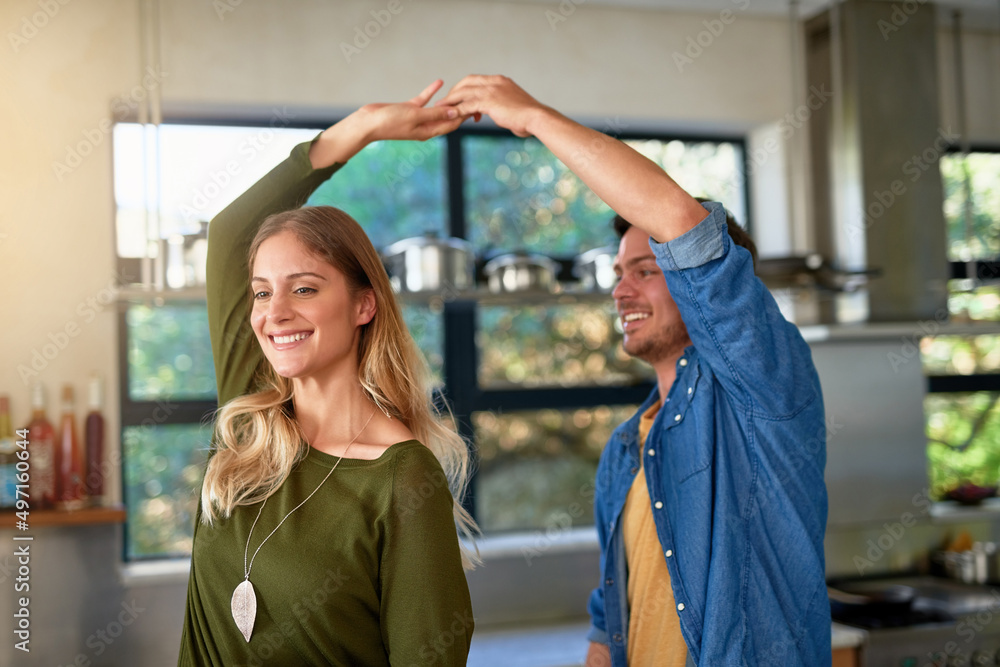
x=699, y=245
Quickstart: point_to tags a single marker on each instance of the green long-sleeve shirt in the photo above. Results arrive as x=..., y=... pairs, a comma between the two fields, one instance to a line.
x=368, y=572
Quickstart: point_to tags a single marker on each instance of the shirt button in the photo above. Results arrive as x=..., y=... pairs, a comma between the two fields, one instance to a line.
x=617, y=638
x=658, y=505
x=651, y=452
x=634, y=470
x=669, y=553
x=677, y=418
x=683, y=362
x=680, y=607
x=609, y=581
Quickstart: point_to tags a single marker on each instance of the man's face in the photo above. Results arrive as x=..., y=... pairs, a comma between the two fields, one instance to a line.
x=652, y=323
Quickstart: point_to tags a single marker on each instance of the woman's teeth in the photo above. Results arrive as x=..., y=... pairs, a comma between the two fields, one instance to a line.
x=290, y=339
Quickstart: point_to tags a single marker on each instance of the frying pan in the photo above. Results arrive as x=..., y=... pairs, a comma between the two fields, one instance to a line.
x=870, y=598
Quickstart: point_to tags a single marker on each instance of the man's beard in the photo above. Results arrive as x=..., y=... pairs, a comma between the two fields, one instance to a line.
x=661, y=344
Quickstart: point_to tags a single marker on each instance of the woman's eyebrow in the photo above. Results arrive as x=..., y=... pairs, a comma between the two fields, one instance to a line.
x=290, y=276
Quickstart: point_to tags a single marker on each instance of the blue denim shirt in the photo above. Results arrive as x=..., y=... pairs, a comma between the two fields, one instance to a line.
x=734, y=463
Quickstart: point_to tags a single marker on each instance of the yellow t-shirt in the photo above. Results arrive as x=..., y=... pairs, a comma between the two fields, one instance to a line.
x=654, y=636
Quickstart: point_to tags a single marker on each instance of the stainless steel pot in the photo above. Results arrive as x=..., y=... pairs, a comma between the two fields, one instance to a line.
x=977, y=565
x=596, y=269
x=430, y=264
x=520, y=272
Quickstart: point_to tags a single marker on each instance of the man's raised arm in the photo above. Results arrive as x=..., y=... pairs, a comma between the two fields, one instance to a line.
x=631, y=184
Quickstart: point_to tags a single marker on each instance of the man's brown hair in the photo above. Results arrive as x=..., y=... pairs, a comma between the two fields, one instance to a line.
x=736, y=233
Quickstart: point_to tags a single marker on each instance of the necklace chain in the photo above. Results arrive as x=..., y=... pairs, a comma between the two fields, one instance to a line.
x=247, y=568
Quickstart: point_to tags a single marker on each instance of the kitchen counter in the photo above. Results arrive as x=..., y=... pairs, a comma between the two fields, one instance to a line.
x=908, y=331
x=844, y=636
x=567, y=645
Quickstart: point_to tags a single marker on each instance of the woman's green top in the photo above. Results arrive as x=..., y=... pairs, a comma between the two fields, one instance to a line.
x=368, y=572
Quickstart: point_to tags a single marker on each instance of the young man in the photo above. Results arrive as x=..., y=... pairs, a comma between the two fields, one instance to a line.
x=711, y=505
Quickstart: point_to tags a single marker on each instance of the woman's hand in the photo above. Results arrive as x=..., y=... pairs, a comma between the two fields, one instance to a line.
x=408, y=121
x=499, y=98
x=411, y=120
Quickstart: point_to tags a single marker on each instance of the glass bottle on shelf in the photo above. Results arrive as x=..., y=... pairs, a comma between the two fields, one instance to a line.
x=69, y=457
x=8, y=458
x=94, y=443
x=42, y=451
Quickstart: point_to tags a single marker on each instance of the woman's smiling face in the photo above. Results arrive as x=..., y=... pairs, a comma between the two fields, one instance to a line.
x=304, y=315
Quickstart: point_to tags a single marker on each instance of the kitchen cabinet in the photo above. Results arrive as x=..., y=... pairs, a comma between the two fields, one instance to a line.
x=845, y=657
x=845, y=641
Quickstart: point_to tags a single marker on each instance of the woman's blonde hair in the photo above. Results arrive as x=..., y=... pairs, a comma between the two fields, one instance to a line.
x=258, y=440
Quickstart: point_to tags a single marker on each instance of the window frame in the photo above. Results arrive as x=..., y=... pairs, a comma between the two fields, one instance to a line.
x=976, y=269
x=979, y=267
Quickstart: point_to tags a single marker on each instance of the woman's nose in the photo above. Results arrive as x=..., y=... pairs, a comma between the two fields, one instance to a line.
x=279, y=308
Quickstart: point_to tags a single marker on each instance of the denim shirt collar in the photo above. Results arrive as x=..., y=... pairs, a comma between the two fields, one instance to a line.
x=677, y=402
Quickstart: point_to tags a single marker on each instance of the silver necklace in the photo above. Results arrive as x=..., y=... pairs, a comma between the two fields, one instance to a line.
x=244, y=602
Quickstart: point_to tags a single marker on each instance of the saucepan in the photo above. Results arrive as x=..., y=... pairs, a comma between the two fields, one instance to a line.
x=428, y=263
x=978, y=565
x=596, y=269
x=521, y=272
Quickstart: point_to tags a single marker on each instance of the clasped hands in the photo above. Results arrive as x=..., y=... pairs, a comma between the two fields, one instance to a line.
x=474, y=96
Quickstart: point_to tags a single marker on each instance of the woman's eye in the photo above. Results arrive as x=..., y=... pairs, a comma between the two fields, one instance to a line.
x=259, y=295
x=305, y=290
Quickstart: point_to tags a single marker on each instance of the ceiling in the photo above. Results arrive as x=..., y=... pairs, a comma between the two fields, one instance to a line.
x=982, y=14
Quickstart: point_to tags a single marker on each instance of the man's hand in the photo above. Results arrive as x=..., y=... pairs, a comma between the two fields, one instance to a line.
x=408, y=121
x=499, y=98
x=598, y=655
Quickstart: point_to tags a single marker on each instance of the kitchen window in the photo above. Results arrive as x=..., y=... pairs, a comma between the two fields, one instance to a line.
x=537, y=387
x=963, y=422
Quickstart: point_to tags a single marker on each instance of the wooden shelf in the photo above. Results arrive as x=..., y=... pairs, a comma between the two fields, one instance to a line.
x=82, y=517
x=568, y=294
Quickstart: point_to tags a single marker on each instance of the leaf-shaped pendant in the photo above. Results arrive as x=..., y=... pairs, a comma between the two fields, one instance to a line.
x=245, y=608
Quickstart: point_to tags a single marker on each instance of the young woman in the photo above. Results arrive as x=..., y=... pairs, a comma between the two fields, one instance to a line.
x=313, y=545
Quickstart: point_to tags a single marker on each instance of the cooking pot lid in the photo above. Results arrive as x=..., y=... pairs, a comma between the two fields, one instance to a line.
x=522, y=258
x=592, y=254
x=429, y=239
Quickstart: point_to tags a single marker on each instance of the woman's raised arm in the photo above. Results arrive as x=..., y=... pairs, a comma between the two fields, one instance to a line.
x=234, y=346
x=410, y=120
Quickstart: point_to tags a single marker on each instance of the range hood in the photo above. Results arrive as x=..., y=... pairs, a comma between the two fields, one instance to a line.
x=877, y=192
